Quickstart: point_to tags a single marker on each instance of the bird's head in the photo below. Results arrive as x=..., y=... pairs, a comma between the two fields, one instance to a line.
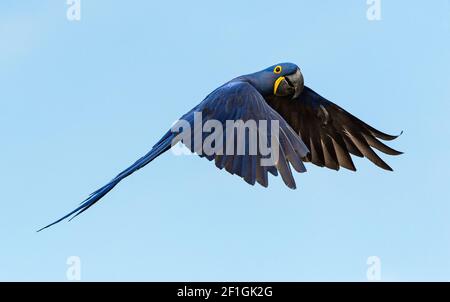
x=284, y=79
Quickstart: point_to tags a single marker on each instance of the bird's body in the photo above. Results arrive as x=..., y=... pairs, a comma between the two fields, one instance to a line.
x=309, y=129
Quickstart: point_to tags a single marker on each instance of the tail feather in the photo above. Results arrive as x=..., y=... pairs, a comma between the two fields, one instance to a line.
x=162, y=146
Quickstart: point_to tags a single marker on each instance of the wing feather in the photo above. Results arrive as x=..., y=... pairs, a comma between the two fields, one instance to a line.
x=331, y=133
x=240, y=101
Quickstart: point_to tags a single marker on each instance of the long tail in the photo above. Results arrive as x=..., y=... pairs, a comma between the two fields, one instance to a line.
x=162, y=146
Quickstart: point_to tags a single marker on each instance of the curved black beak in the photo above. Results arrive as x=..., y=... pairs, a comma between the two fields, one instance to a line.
x=290, y=85
x=296, y=81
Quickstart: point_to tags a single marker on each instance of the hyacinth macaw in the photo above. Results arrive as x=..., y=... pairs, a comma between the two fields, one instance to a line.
x=311, y=129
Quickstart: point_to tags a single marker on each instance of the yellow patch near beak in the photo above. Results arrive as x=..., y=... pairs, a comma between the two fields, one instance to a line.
x=277, y=83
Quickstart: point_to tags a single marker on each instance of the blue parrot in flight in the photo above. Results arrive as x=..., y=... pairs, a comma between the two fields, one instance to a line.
x=311, y=129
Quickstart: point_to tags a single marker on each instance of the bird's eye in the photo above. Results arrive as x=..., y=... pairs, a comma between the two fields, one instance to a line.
x=277, y=69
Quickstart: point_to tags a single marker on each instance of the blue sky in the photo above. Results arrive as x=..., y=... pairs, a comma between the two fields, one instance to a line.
x=82, y=100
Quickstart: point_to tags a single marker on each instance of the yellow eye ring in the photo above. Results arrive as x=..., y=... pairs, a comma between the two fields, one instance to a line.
x=277, y=69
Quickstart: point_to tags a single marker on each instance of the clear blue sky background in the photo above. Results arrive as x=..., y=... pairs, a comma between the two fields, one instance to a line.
x=80, y=101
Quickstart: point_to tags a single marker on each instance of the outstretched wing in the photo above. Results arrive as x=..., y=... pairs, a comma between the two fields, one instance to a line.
x=240, y=101
x=331, y=133
x=233, y=101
